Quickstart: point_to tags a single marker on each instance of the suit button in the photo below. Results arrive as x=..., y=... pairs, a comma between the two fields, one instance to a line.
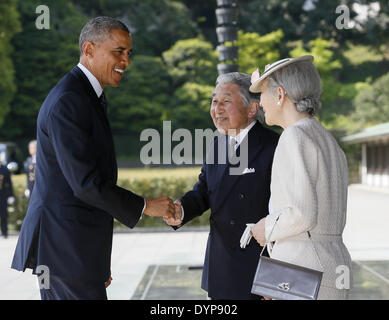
x=241, y=195
x=232, y=222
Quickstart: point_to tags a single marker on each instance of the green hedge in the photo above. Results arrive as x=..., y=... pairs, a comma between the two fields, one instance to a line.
x=156, y=187
x=148, y=188
x=18, y=210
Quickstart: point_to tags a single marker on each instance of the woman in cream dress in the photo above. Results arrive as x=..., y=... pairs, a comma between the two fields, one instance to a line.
x=309, y=178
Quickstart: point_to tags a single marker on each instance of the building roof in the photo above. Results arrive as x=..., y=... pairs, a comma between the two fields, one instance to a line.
x=369, y=134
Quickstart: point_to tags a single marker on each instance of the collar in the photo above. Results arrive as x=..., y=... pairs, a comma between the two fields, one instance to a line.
x=92, y=79
x=243, y=133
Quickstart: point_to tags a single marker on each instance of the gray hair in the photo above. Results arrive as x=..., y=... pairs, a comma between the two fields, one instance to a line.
x=301, y=82
x=243, y=80
x=98, y=29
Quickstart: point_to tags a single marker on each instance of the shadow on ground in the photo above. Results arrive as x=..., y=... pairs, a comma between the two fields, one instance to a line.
x=182, y=282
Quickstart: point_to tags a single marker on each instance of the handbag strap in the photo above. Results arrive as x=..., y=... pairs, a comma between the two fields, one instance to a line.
x=309, y=235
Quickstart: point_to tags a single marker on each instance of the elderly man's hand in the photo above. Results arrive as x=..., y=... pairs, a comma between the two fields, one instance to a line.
x=177, y=219
x=258, y=232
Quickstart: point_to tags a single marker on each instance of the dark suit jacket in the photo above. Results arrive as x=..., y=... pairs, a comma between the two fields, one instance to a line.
x=234, y=201
x=69, y=223
x=6, y=190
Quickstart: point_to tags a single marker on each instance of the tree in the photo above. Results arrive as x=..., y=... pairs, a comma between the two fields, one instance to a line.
x=142, y=99
x=372, y=103
x=155, y=25
x=192, y=60
x=9, y=25
x=257, y=51
x=41, y=58
x=191, y=105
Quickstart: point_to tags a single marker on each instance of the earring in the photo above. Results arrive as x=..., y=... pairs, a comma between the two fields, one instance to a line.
x=278, y=103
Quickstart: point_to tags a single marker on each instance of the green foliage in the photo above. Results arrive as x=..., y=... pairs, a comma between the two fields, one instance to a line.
x=155, y=25
x=155, y=187
x=142, y=99
x=191, y=104
x=174, y=187
x=372, y=103
x=258, y=51
x=192, y=60
x=18, y=210
x=9, y=25
x=42, y=57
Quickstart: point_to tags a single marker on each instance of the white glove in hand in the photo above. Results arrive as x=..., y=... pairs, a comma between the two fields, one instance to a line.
x=246, y=237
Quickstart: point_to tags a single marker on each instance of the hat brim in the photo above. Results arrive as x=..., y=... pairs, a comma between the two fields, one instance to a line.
x=256, y=85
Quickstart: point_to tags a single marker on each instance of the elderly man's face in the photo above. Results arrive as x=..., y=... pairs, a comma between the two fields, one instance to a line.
x=110, y=58
x=227, y=110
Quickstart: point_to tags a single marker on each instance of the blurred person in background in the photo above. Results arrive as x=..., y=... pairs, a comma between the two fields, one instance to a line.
x=6, y=198
x=29, y=167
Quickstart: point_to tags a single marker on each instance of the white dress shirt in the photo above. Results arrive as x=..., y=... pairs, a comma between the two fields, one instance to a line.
x=242, y=134
x=239, y=138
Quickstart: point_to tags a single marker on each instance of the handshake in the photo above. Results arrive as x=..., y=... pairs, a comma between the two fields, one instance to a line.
x=165, y=207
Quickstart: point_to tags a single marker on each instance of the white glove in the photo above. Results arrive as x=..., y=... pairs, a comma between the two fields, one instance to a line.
x=27, y=193
x=246, y=237
x=10, y=200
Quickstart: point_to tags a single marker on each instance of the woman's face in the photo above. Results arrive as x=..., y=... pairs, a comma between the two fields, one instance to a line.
x=269, y=105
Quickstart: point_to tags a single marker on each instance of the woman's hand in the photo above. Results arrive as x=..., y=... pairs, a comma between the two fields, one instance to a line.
x=258, y=232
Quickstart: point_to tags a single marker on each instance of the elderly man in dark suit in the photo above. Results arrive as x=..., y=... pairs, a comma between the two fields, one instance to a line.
x=67, y=231
x=235, y=198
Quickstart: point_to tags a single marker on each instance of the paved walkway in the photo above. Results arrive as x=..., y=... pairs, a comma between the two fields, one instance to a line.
x=155, y=265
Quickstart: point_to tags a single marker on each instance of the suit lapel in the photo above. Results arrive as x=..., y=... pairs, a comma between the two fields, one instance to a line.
x=99, y=109
x=228, y=181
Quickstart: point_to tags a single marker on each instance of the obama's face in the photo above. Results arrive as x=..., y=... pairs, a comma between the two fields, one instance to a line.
x=108, y=59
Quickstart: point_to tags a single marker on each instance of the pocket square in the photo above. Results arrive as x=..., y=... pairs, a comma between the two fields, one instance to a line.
x=248, y=170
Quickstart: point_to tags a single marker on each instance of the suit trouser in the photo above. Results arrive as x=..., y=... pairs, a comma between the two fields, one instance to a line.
x=4, y=225
x=60, y=289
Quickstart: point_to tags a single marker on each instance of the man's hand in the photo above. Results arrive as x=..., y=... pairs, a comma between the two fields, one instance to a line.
x=159, y=207
x=258, y=232
x=177, y=219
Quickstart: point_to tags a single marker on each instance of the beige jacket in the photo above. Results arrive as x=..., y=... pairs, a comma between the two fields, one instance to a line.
x=309, y=193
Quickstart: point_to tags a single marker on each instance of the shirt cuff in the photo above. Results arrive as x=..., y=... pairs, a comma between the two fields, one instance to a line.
x=182, y=213
x=144, y=207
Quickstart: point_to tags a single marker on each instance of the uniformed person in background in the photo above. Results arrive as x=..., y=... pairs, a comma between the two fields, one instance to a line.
x=29, y=166
x=6, y=198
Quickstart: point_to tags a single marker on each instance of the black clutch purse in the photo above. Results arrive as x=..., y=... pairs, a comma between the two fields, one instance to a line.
x=285, y=281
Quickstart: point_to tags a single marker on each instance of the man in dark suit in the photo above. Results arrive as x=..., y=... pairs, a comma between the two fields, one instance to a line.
x=6, y=198
x=235, y=199
x=29, y=166
x=66, y=236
